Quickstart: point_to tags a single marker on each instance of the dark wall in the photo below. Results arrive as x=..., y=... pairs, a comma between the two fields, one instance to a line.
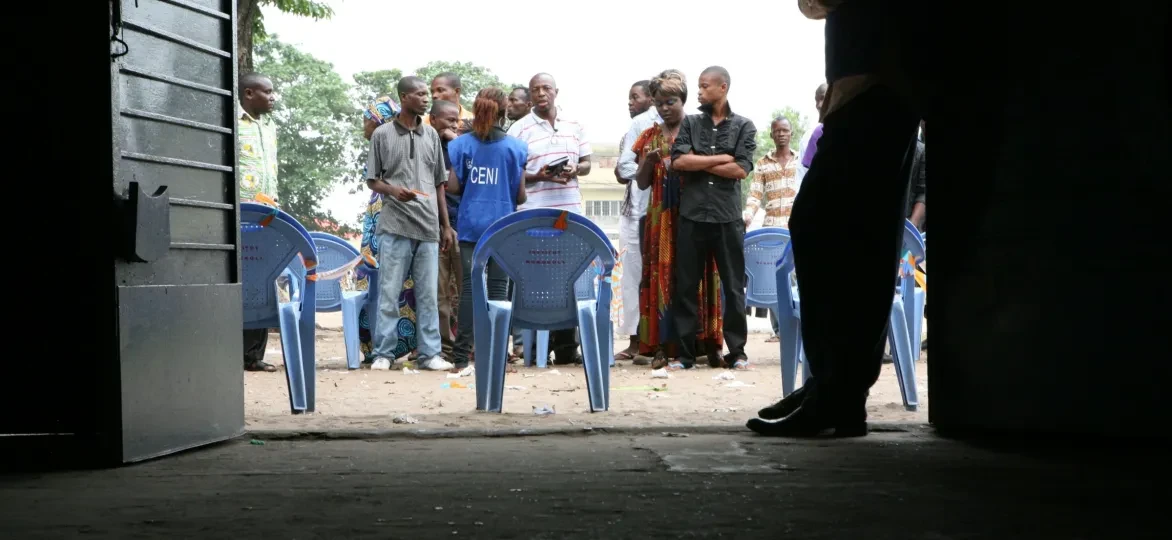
x=1050, y=193
x=60, y=321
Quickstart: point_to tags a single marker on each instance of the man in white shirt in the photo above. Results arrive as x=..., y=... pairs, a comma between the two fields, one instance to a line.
x=819, y=96
x=551, y=138
x=633, y=209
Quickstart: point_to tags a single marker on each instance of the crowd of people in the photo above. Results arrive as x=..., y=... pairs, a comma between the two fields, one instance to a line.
x=440, y=174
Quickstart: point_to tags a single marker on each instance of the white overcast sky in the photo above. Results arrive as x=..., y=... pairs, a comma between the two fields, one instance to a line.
x=595, y=50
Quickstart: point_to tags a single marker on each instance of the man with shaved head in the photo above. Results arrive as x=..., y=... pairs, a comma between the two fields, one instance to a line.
x=713, y=153
x=445, y=118
x=257, y=178
x=406, y=166
x=553, y=135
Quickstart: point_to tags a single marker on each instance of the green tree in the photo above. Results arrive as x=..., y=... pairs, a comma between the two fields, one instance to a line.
x=472, y=76
x=250, y=26
x=370, y=85
x=797, y=120
x=316, y=130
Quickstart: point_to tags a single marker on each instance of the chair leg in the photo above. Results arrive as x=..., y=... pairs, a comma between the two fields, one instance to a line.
x=492, y=342
x=350, y=308
x=291, y=350
x=788, y=329
x=901, y=353
x=307, y=323
x=543, y=349
x=597, y=370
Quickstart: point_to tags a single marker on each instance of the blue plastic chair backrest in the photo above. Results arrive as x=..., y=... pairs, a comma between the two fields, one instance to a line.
x=552, y=268
x=265, y=252
x=763, y=248
x=332, y=253
x=783, y=275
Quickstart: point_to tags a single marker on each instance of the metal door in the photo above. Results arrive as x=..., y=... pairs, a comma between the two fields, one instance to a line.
x=177, y=275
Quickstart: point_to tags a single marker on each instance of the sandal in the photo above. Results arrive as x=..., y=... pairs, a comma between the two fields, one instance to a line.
x=741, y=365
x=676, y=365
x=773, y=339
x=660, y=361
x=623, y=355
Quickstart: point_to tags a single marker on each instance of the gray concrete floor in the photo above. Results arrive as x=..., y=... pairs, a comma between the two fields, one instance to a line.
x=905, y=485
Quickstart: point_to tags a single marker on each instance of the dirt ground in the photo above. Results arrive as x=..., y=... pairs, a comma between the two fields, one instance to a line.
x=366, y=399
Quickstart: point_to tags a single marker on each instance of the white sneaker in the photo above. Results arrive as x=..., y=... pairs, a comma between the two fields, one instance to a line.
x=381, y=363
x=435, y=363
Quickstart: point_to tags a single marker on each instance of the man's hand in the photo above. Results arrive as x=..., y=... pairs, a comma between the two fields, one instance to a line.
x=400, y=194
x=653, y=156
x=447, y=238
x=569, y=172
x=449, y=134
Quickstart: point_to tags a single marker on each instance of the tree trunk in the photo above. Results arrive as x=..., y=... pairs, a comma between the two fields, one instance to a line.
x=245, y=14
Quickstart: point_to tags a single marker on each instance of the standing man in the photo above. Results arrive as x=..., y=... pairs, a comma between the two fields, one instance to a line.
x=257, y=164
x=447, y=87
x=819, y=97
x=518, y=106
x=445, y=119
x=630, y=217
x=877, y=76
x=774, y=187
x=551, y=136
x=713, y=153
x=406, y=166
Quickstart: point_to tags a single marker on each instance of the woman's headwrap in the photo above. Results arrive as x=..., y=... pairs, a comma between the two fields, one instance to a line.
x=381, y=110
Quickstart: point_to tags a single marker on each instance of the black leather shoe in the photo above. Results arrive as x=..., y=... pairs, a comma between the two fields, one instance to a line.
x=786, y=406
x=819, y=415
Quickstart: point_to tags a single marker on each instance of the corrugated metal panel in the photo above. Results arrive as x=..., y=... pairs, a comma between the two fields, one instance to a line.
x=179, y=317
x=175, y=96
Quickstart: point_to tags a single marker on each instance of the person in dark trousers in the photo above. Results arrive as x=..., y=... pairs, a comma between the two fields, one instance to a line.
x=257, y=178
x=845, y=271
x=489, y=175
x=713, y=153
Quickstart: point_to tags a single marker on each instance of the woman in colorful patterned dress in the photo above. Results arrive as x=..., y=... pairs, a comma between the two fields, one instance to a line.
x=657, y=337
x=378, y=113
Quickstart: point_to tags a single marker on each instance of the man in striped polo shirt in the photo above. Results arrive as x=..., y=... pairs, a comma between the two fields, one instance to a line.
x=551, y=137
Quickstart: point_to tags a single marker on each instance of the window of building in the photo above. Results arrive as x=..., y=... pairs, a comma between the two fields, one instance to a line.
x=603, y=208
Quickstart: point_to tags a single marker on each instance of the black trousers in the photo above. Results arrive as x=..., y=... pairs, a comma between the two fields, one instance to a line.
x=847, y=228
x=696, y=242
x=255, y=342
x=498, y=288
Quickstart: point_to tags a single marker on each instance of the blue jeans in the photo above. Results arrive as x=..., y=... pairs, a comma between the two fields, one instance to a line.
x=399, y=256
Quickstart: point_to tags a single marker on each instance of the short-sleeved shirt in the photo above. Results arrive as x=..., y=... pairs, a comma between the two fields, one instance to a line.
x=548, y=143
x=706, y=197
x=258, y=157
x=490, y=174
x=411, y=159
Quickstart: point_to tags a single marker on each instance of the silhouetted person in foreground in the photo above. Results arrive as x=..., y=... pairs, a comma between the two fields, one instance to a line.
x=846, y=272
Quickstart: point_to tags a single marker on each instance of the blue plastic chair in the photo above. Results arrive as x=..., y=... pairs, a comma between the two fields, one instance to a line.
x=266, y=251
x=900, y=321
x=907, y=318
x=554, y=289
x=763, y=248
x=333, y=253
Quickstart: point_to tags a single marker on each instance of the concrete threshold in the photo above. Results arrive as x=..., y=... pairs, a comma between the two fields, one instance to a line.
x=461, y=433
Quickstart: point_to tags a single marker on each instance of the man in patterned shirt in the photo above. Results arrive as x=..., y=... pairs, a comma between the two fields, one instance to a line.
x=257, y=175
x=258, y=138
x=776, y=180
